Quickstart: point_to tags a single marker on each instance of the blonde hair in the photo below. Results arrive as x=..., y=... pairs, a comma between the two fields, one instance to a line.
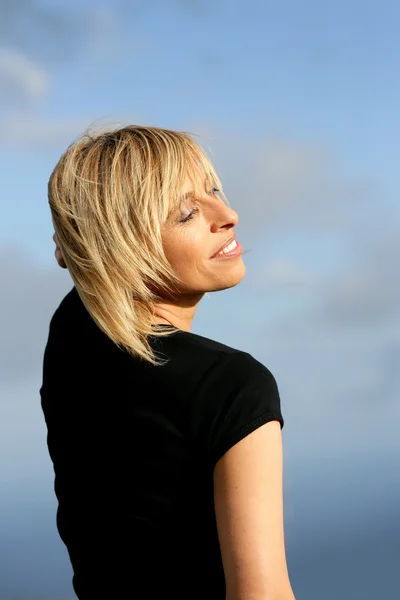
x=109, y=195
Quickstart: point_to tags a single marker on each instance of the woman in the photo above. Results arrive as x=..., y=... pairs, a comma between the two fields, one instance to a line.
x=166, y=445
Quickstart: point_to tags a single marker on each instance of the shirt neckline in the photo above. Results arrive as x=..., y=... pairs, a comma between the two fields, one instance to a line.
x=177, y=330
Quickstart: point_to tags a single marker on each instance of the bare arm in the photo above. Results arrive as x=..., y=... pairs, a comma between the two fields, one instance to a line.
x=248, y=497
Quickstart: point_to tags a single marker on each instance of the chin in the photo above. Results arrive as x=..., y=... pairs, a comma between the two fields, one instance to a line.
x=232, y=278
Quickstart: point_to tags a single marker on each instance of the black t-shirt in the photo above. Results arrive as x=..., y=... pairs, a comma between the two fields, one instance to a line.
x=134, y=448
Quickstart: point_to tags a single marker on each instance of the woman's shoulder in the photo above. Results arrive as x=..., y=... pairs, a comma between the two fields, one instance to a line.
x=207, y=344
x=227, y=361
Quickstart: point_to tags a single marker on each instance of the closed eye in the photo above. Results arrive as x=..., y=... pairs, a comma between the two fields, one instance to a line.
x=189, y=216
x=195, y=210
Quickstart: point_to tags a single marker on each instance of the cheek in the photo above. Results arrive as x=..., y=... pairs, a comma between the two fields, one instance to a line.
x=187, y=254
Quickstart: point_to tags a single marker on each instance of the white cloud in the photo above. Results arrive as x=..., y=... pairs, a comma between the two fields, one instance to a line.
x=281, y=272
x=22, y=81
x=274, y=181
x=367, y=289
x=33, y=131
x=49, y=32
x=29, y=298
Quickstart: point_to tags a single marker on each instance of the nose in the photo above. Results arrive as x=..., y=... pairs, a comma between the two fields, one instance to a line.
x=224, y=218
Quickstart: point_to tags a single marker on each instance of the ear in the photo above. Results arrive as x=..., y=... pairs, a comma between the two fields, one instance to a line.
x=58, y=254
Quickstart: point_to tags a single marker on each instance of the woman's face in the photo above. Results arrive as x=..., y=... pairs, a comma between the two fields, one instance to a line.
x=194, y=234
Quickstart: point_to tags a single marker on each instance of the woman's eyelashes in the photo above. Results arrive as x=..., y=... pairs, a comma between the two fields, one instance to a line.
x=189, y=216
x=195, y=210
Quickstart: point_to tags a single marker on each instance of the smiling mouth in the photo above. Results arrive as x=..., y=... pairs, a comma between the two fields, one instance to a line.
x=232, y=249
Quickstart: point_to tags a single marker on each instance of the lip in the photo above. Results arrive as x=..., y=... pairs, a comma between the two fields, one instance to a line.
x=224, y=246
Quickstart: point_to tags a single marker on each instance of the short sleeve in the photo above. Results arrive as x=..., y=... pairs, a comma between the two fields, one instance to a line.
x=242, y=395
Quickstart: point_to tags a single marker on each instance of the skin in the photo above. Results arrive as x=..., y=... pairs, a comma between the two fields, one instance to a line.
x=188, y=247
x=57, y=253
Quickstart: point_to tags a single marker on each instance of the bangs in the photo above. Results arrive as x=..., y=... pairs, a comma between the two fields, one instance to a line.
x=195, y=165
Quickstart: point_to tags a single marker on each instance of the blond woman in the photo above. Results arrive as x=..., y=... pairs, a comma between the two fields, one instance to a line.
x=166, y=445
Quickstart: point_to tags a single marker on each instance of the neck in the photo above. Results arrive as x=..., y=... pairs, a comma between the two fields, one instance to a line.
x=178, y=312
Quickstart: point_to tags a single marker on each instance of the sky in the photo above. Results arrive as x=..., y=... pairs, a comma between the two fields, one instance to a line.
x=297, y=104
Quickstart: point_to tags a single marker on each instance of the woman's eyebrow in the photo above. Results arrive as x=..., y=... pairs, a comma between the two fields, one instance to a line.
x=185, y=197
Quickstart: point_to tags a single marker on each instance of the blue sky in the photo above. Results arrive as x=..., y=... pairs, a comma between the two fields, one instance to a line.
x=298, y=105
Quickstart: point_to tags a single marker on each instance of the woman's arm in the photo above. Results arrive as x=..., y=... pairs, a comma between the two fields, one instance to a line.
x=248, y=499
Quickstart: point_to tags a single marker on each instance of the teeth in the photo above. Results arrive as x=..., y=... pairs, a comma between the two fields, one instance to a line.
x=229, y=248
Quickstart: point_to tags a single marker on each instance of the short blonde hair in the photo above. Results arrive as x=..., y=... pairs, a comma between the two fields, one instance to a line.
x=109, y=195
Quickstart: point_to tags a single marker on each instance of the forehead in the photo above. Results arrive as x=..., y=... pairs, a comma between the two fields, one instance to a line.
x=190, y=187
x=195, y=182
